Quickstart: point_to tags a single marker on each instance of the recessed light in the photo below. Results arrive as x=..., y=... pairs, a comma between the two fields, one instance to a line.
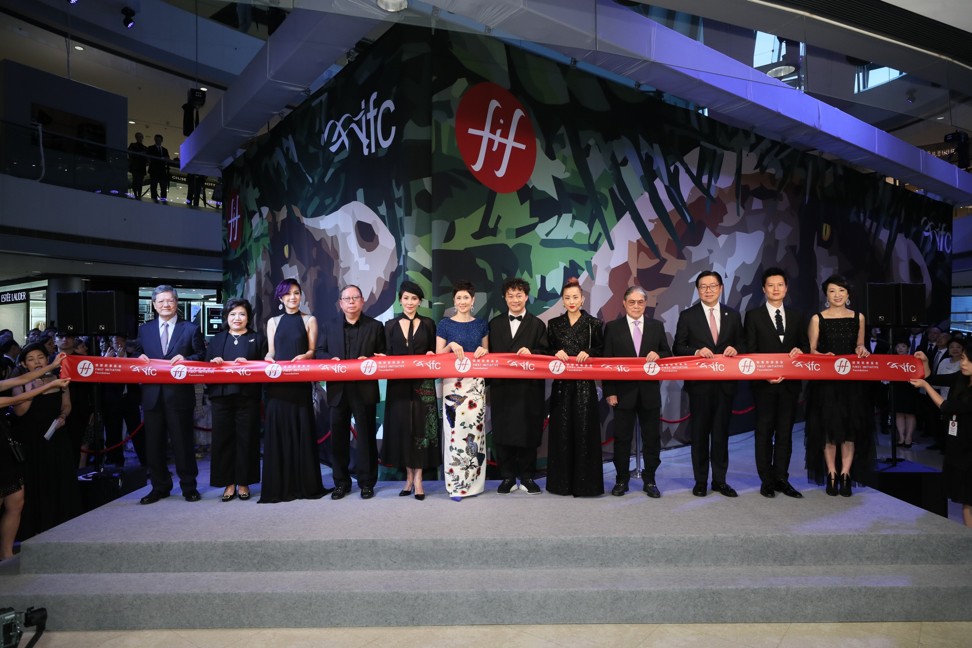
x=79, y=48
x=131, y=122
x=940, y=117
x=204, y=89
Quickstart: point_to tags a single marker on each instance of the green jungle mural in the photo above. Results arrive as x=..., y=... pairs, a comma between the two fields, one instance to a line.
x=442, y=156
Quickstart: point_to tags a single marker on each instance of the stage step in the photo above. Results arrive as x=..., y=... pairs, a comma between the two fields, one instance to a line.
x=495, y=560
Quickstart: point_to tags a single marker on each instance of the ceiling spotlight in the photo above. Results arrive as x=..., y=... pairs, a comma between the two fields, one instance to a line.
x=780, y=71
x=72, y=1
x=79, y=48
x=128, y=17
x=393, y=6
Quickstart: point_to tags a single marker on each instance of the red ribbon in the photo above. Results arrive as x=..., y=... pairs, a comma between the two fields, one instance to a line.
x=496, y=365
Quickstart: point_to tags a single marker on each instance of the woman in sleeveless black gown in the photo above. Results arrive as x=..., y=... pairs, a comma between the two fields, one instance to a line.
x=838, y=411
x=291, y=469
x=412, y=428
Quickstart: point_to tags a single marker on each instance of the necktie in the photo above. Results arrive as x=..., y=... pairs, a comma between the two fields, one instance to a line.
x=165, y=338
x=411, y=332
x=779, y=323
x=713, y=327
x=914, y=344
x=636, y=336
x=518, y=318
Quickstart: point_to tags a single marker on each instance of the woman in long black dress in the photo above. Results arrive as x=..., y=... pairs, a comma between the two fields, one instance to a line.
x=51, y=493
x=11, y=472
x=957, y=412
x=236, y=406
x=838, y=411
x=412, y=425
x=574, y=465
x=291, y=469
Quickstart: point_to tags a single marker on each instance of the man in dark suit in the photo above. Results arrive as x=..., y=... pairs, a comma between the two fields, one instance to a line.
x=168, y=408
x=120, y=404
x=346, y=338
x=516, y=405
x=158, y=170
x=635, y=336
x=774, y=328
x=877, y=344
x=137, y=164
x=707, y=329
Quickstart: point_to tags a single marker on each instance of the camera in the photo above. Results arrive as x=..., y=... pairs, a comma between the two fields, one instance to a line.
x=12, y=625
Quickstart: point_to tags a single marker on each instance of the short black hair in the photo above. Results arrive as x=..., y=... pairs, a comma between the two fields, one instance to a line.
x=463, y=285
x=774, y=272
x=236, y=302
x=708, y=273
x=515, y=283
x=837, y=280
x=411, y=287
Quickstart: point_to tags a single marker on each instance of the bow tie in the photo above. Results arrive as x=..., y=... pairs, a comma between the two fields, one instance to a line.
x=518, y=318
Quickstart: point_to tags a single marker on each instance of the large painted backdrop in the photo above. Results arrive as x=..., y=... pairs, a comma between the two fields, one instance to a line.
x=444, y=156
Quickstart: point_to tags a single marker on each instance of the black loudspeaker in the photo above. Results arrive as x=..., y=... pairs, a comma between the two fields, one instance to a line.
x=911, y=304
x=882, y=304
x=913, y=483
x=70, y=312
x=109, y=312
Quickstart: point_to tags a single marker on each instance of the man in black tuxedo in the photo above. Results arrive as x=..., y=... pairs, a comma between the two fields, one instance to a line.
x=354, y=336
x=516, y=405
x=775, y=328
x=635, y=336
x=168, y=408
x=707, y=329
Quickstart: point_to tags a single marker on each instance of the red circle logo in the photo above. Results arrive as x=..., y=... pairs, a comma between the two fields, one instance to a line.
x=495, y=137
x=234, y=221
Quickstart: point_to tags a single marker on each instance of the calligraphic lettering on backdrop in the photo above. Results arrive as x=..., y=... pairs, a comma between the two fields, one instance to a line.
x=234, y=224
x=368, y=126
x=495, y=137
x=496, y=365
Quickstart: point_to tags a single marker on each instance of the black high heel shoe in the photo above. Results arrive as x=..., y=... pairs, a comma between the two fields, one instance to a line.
x=845, y=485
x=832, y=484
x=420, y=496
x=243, y=496
x=405, y=493
x=228, y=497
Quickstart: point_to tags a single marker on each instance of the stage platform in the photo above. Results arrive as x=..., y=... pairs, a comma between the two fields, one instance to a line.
x=500, y=559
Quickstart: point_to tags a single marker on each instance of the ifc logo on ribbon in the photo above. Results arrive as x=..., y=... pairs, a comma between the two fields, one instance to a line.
x=179, y=372
x=556, y=367
x=273, y=371
x=463, y=365
x=652, y=368
x=85, y=368
x=842, y=366
x=746, y=366
x=369, y=367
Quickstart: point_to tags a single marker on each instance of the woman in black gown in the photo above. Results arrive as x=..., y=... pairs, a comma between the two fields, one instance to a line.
x=838, y=411
x=574, y=465
x=291, y=469
x=412, y=425
x=51, y=493
x=236, y=406
x=11, y=468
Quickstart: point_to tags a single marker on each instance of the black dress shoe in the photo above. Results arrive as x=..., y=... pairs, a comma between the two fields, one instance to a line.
x=787, y=489
x=420, y=496
x=531, y=486
x=232, y=496
x=191, y=495
x=651, y=490
x=339, y=492
x=367, y=492
x=405, y=493
x=699, y=490
x=506, y=486
x=767, y=491
x=620, y=488
x=153, y=497
x=725, y=490
x=244, y=495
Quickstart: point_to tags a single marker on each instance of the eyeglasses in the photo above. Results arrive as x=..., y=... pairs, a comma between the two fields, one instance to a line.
x=710, y=287
x=351, y=300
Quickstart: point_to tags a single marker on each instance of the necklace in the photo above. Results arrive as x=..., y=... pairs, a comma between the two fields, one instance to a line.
x=236, y=338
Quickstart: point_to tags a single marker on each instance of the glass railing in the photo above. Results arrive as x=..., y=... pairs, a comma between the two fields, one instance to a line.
x=33, y=153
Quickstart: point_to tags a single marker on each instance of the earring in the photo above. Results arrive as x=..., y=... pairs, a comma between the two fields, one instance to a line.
x=826, y=304
x=279, y=306
x=847, y=302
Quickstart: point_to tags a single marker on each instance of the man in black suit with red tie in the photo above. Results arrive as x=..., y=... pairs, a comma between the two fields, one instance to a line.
x=168, y=408
x=707, y=329
x=635, y=336
x=516, y=405
x=775, y=328
x=353, y=336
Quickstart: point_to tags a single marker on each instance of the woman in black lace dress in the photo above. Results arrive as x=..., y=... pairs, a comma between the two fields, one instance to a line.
x=574, y=465
x=838, y=411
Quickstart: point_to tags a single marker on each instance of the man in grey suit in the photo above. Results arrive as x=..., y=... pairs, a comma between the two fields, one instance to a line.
x=635, y=336
x=775, y=328
x=168, y=408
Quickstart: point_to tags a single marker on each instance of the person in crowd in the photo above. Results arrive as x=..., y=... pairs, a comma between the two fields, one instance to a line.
x=48, y=339
x=12, y=456
x=120, y=403
x=574, y=465
x=775, y=328
x=879, y=389
x=236, y=406
x=905, y=405
x=137, y=164
x=838, y=411
x=707, y=329
x=158, y=170
x=291, y=468
x=929, y=417
x=464, y=397
x=951, y=364
x=9, y=350
x=957, y=411
x=635, y=336
x=168, y=408
x=413, y=430
x=517, y=420
x=51, y=493
x=355, y=335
